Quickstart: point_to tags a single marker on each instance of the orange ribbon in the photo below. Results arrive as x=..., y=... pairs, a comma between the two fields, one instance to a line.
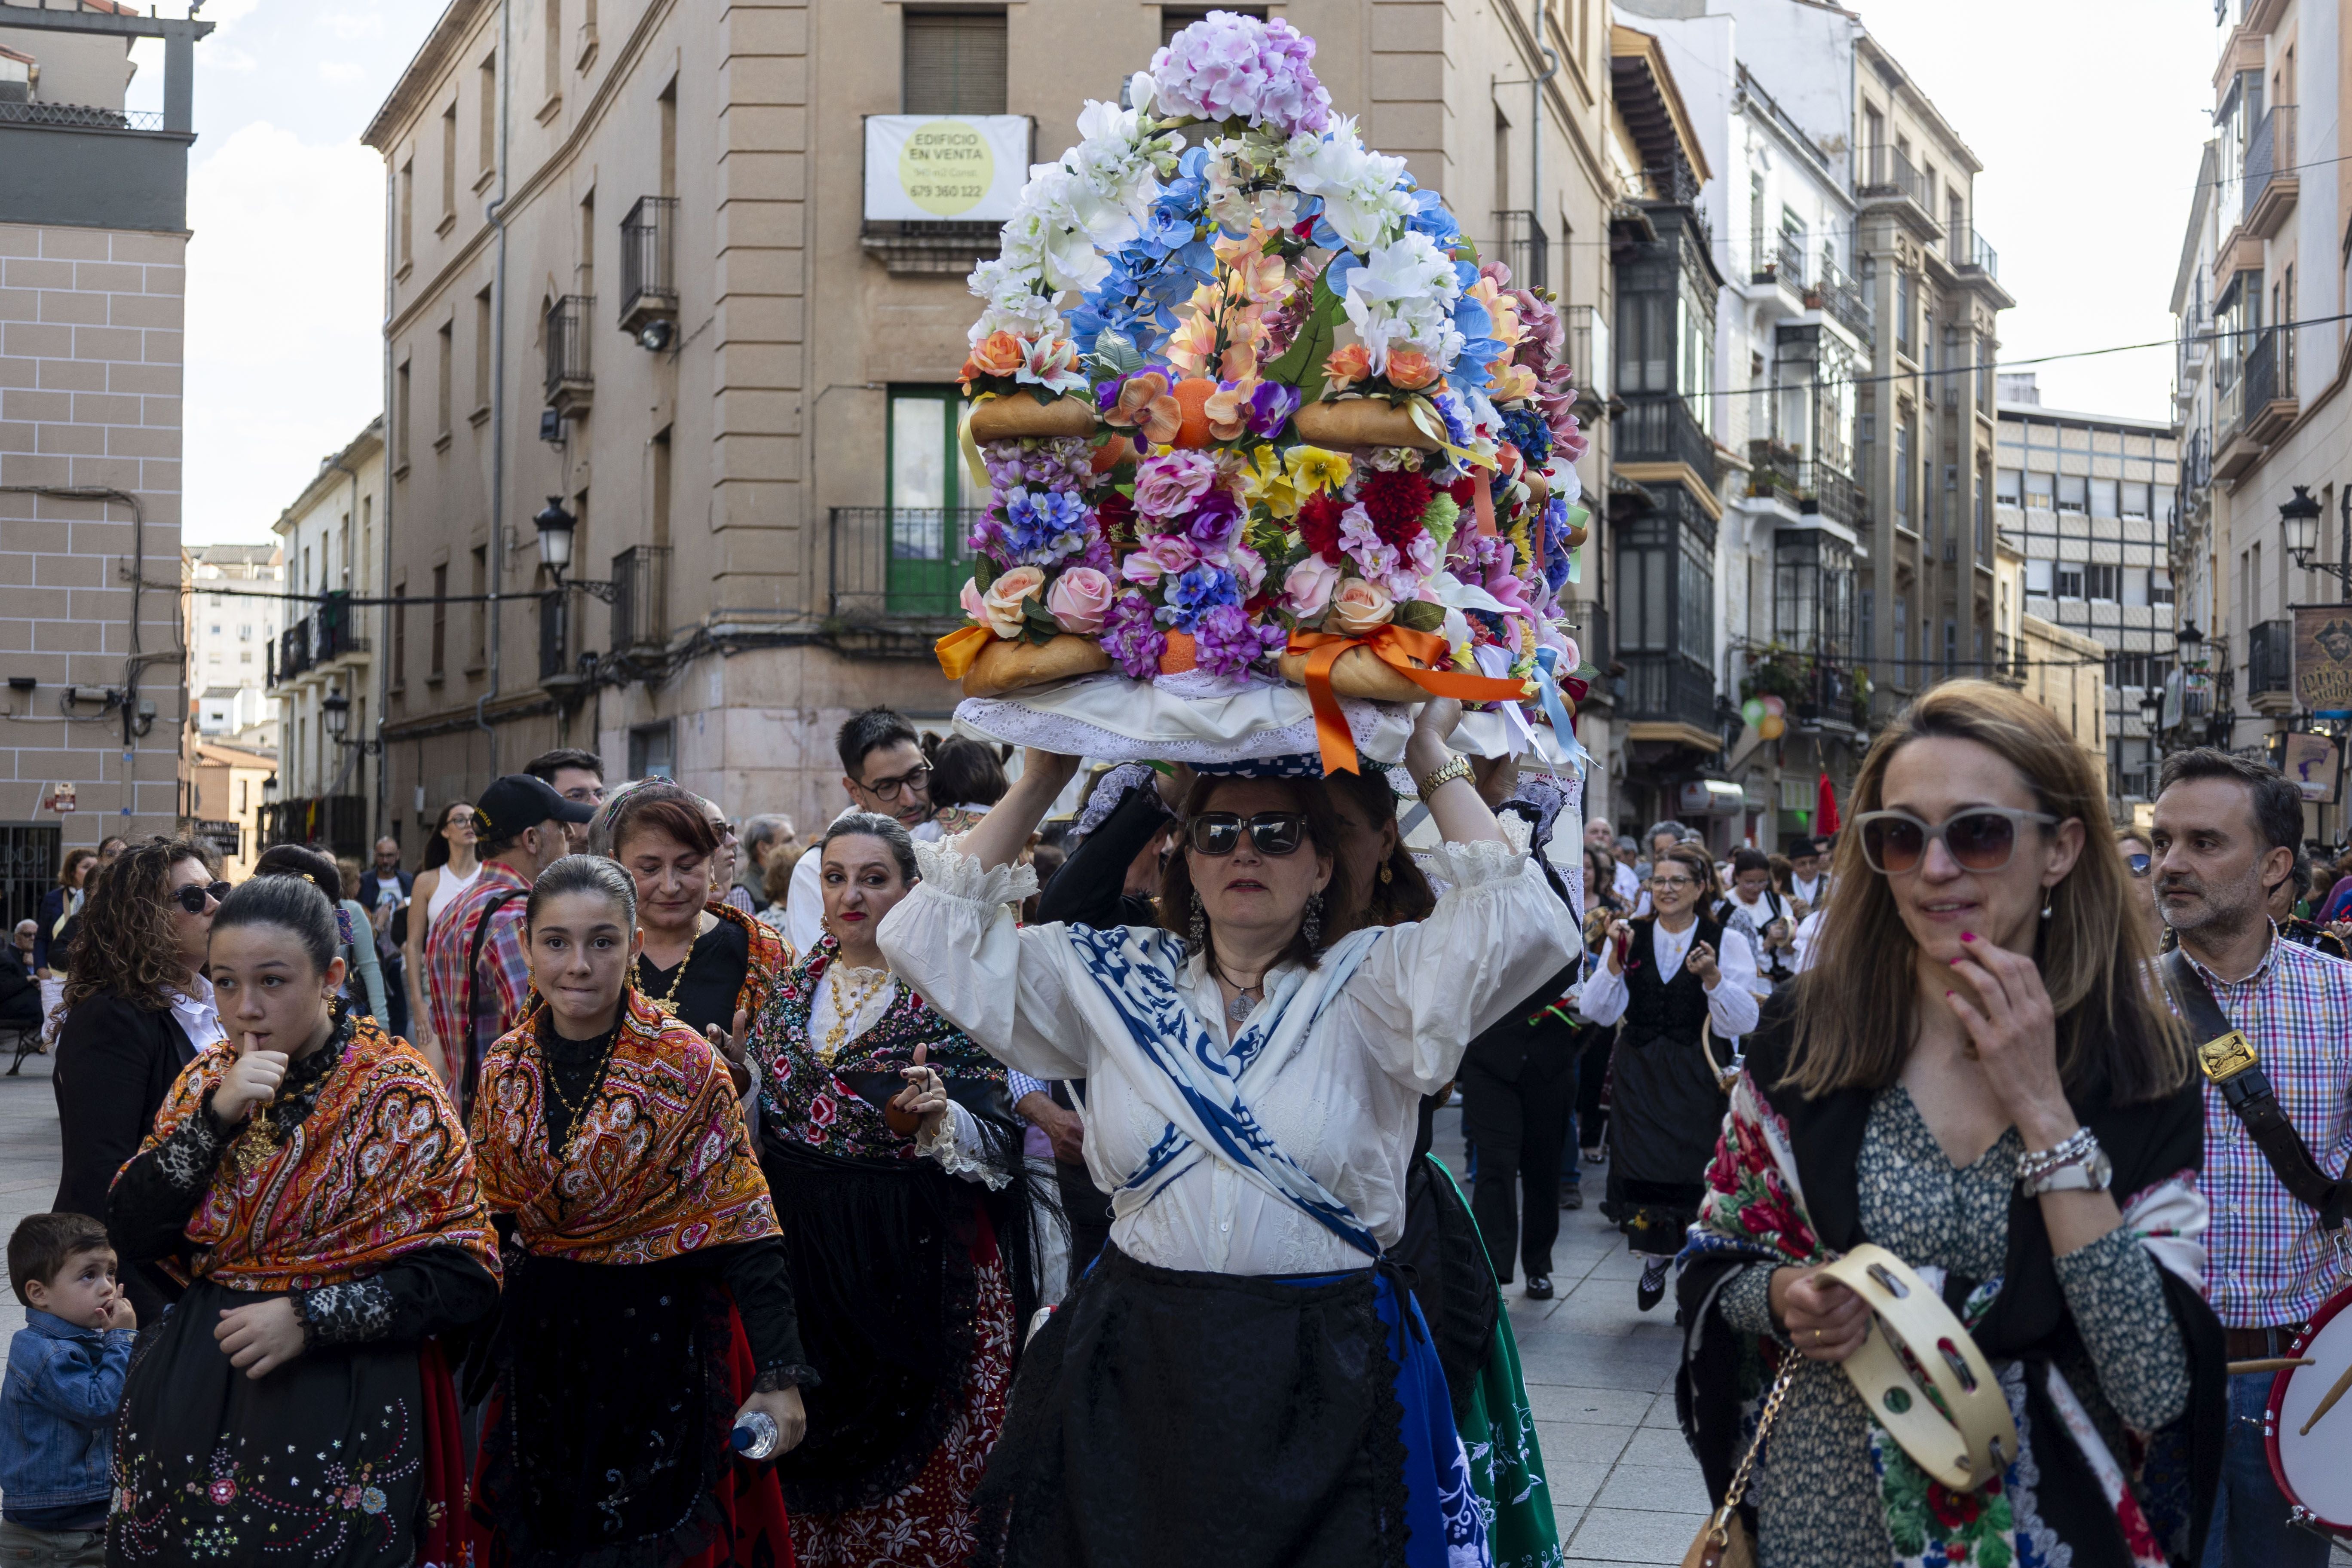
x=1483, y=495
x=958, y=649
x=1396, y=647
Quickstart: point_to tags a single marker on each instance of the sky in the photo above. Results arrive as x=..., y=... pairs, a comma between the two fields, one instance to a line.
x=2088, y=175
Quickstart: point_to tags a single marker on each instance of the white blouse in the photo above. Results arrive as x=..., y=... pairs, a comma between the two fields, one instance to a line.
x=1732, y=1006
x=1345, y=1107
x=957, y=1144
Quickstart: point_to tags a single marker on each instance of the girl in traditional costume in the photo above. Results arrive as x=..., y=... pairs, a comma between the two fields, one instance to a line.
x=896, y=1166
x=1240, y=1377
x=648, y=1306
x=312, y=1181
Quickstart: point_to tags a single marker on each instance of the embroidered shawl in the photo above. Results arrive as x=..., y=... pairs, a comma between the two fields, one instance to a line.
x=659, y=1164
x=770, y=959
x=804, y=1098
x=380, y=1167
x=1781, y=1189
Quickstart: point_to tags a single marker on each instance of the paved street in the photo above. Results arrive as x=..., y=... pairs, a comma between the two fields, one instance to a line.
x=28, y=1160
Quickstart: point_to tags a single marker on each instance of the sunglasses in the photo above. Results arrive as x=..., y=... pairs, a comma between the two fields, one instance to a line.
x=1981, y=838
x=193, y=899
x=1669, y=884
x=1219, y=833
x=2139, y=864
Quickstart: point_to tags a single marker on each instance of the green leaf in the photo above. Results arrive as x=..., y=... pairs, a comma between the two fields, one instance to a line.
x=1419, y=615
x=983, y=572
x=1301, y=365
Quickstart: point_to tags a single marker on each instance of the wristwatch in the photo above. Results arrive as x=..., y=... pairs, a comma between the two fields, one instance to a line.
x=1454, y=767
x=2075, y=1165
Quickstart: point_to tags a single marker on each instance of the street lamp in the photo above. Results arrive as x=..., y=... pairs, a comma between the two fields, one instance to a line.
x=335, y=709
x=556, y=529
x=2299, y=522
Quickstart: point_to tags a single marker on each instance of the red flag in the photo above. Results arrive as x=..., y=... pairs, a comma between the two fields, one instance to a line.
x=1825, y=812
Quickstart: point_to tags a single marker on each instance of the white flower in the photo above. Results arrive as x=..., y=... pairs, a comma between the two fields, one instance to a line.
x=1362, y=200
x=1404, y=293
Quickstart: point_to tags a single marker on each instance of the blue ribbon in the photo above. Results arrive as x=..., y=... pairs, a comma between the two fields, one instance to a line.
x=1547, y=693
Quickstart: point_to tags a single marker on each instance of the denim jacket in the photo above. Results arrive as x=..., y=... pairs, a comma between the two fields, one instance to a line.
x=57, y=1411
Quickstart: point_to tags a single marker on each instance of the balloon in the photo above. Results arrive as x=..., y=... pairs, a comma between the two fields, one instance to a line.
x=1776, y=708
x=1773, y=727
x=1752, y=711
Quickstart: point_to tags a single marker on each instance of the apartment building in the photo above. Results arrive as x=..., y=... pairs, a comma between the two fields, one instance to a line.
x=670, y=424
x=232, y=621
x=93, y=232
x=2088, y=500
x=322, y=673
x=2265, y=356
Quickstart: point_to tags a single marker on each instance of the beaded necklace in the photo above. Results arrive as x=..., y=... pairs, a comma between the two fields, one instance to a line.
x=576, y=1115
x=666, y=1003
x=837, y=1035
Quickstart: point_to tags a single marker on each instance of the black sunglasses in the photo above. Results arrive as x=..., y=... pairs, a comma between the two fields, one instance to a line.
x=1981, y=838
x=193, y=899
x=1219, y=833
x=2139, y=864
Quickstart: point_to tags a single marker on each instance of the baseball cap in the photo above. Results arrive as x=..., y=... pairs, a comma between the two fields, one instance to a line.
x=518, y=801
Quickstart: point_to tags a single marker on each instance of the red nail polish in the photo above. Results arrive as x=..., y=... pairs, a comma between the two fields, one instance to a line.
x=1947, y=996
x=1968, y=936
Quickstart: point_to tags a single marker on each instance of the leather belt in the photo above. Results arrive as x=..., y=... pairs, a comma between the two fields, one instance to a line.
x=2259, y=1344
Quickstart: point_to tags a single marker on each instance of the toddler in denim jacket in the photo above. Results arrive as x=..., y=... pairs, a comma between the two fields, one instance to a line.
x=66, y=1370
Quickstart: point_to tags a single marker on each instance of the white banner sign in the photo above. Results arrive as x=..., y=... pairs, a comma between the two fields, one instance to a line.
x=965, y=168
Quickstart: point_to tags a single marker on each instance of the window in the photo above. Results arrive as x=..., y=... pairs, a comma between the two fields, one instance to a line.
x=2009, y=487
x=211, y=631
x=661, y=486
x=2039, y=578
x=1903, y=312
x=482, y=335
x=1903, y=636
x=2163, y=502
x=448, y=346
x=407, y=211
x=2159, y=586
x=650, y=753
x=480, y=652
x=953, y=62
x=2133, y=503
x=400, y=415
x=2074, y=492
x=245, y=655
x=2041, y=491
x=2102, y=583
x=486, y=83
x=554, y=51
x=2070, y=582
x=399, y=636
x=1903, y=474
x=668, y=105
x=1951, y=646
x=2103, y=499
x=1645, y=343
x=925, y=495
x=244, y=632
x=438, y=650
x=450, y=160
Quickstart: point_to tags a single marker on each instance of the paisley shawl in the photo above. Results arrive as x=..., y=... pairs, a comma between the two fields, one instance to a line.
x=379, y=1168
x=770, y=960
x=660, y=1163
x=807, y=1100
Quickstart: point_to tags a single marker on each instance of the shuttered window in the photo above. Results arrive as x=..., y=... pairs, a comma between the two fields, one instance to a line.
x=954, y=63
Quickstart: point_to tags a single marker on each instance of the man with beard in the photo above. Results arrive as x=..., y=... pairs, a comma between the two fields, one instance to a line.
x=2225, y=835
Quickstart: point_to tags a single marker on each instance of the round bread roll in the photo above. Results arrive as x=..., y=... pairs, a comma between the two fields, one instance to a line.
x=1360, y=422
x=1008, y=665
x=1359, y=672
x=1008, y=418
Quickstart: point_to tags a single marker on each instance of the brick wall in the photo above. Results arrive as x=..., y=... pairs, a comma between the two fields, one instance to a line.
x=90, y=329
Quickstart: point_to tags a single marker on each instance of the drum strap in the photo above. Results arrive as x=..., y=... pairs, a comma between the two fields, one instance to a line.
x=2230, y=1064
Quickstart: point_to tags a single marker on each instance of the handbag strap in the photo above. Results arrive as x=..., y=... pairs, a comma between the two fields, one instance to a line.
x=1739, y=1487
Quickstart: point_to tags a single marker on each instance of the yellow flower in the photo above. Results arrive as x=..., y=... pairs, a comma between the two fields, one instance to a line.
x=1265, y=483
x=1501, y=307
x=1192, y=343
x=1508, y=383
x=1313, y=470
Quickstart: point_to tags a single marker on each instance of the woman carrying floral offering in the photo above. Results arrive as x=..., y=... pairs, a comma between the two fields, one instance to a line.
x=293, y=1406
x=648, y=1307
x=706, y=963
x=1235, y=1381
x=1975, y=1076
x=896, y=1162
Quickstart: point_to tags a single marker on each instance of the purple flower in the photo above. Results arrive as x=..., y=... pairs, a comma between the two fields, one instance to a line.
x=1167, y=485
x=1269, y=408
x=1132, y=638
x=1226, y=641
x=1042, y=526
x=1215, y=522
x=1227, y=66
x=1197, y=592
x=1063, y=463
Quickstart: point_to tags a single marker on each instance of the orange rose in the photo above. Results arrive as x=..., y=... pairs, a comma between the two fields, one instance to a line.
x=999, y=353
x=1410, y=369
x=1348, y=365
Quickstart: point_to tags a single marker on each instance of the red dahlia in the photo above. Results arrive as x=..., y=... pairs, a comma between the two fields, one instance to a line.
x=1394, y=500
x=1319, y=525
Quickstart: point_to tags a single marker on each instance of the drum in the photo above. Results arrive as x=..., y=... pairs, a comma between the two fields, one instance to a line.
x=2307, y=1425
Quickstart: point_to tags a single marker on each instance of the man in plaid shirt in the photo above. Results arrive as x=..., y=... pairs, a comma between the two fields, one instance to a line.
x=2226, y=833
x=520, y=824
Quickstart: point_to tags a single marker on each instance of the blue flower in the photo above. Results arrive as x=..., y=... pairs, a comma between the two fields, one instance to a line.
x=1430, y=217
x=1042, y=526
x=1196, y=592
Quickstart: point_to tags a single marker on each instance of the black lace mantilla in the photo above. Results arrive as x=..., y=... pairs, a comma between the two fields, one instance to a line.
x=348, y=1314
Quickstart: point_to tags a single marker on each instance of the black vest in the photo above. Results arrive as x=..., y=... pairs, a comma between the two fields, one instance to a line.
x=1655, y=1006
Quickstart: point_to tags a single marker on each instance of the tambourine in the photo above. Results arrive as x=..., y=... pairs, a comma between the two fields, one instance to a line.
x=1977, y=1440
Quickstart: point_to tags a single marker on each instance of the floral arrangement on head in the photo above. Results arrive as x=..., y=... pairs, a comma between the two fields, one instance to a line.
x=1220, y=232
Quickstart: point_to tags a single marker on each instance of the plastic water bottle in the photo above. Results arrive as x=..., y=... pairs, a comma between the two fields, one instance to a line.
x=754, y=1437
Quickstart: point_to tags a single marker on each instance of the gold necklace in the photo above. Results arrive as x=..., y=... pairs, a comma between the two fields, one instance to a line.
x=578, y=1114
x=838, y=1035
x=666, y=1003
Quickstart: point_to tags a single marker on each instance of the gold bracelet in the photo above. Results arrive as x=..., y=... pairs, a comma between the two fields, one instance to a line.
x=1454, y=767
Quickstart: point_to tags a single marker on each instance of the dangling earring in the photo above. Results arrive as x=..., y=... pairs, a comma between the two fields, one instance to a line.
x=2045, y=905
x=1388, y=874
x=1198, y=935
x=1313, y=928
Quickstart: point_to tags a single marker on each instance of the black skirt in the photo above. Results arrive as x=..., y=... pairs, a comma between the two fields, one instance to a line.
x=324, y=1461
x=1178, y=1419
x=1665, y=1114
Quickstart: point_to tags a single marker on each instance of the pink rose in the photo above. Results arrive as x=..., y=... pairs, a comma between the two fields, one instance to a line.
x=1003, y=600
x=1166, y=554
x=1166, y=485
x=1078, y=598
x=1248, y=566
x=973, y=605
x=1306, y=588
x=1359, y=606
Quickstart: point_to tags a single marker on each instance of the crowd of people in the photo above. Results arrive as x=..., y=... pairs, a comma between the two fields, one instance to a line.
x=1033, y=1169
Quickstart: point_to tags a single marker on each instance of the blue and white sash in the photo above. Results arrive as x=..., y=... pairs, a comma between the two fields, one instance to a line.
x=1203, y=1087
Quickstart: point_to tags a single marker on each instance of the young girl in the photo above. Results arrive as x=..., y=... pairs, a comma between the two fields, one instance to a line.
x=311, y=1179
x=651, y=1307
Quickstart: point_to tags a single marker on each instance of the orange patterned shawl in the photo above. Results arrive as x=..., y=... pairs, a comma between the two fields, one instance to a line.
x=661, y=1165
x=770, y=958
x=380, y=1167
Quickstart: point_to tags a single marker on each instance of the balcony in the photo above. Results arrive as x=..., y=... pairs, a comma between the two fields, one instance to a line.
x=1677, y=184
x=1778, y=255
x=1661, y=430
x=316, y=640
x=898, y=569
x=570, y=387
x=641, y=599
x=2270, y=668
x=648, y=280
x=928, y=247
x=1588, y=355
x=293, y=652
x=1884, y=177
x=2270, y=180
x=1671, y=690
x=1810, y=488
x=1842, y=298
x=1821, y=692
x=1522, y=244
x=2007, y=660
x=80, y=116
x=2269, y=378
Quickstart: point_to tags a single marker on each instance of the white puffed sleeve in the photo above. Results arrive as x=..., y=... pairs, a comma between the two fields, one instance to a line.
x=954, y=940
x=1734, y=1006
x=1427, y=988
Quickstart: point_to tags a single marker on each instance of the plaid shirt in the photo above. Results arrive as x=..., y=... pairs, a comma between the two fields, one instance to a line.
x=2267, y=1263
x=505, y=977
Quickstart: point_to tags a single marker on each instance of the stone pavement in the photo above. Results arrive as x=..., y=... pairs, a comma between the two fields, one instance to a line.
x=28, y=1162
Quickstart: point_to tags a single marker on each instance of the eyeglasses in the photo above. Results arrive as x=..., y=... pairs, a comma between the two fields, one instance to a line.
x=1219, y=833
x=2139, y=864
x=1981, y=838
x=1668, y=884
x=193, y=899
x=918, y=780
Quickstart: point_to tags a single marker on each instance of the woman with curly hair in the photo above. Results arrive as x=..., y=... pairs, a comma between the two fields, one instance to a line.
x=134, y=1021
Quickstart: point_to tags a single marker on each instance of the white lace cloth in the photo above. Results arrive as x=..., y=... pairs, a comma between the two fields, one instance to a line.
x=1175, y=719
x=1344, y=1107
x=955, y=1141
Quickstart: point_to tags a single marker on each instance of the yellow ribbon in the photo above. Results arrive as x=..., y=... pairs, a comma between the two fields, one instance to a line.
x=958, y=649
x=1432, y=424
x=1396, y=647
x=971, y=462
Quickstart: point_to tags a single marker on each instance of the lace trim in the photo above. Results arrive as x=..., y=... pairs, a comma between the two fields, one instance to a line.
x=188, y=1157
x=793, y=1374
x=948, y=872
x=945, y=1144
x=1463, y=867
x=349, y=1314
